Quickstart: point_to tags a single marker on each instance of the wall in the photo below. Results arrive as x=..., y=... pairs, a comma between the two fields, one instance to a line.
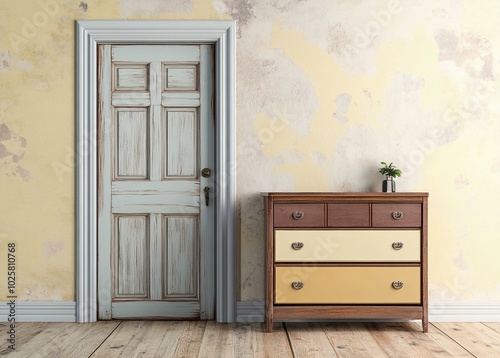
x=325, y=91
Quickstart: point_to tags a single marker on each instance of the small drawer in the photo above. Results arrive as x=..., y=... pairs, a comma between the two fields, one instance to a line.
x=348, y=215
x=347, y=246
x=347, y=285
x=299, y=215
x=397, y=215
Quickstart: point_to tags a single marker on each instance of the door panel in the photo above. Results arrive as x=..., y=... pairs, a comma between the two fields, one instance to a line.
x=131, y=243
x=131, y=138
x=156, y=233
x=182, y=143
x=180, y=77
x=181, y=257
x=130, y=77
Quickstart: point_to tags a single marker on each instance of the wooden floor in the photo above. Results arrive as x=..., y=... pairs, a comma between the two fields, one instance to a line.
x=209, y=339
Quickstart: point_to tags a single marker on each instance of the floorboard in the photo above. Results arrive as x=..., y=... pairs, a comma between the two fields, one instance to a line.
x=24, y=333
x=493, y=325
x=42, y=344
x=153, y=339
x=309, y=340
x=477, y=338
x=448, y=344
x=191, y=339
x=188, y=341
x=244, y=340
x=352, y=340
x=397, y=339
x=81, y=339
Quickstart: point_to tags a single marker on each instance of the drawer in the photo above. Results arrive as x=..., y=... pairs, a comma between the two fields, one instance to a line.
x=299, y=215
x=347, y=245
x=396, y=215
x=347, y=285
x=348, y=215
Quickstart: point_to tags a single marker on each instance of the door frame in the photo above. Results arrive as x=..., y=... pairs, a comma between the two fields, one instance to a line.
x=89, y=34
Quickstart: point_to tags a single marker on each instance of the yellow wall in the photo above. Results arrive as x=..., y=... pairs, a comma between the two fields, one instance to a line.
x=325, y=91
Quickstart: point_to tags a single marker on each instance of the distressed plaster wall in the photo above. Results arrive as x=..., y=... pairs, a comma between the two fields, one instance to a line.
x=325, y=91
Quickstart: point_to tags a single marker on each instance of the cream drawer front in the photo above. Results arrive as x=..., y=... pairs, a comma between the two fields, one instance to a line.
x=347, y=245
x=347, y=285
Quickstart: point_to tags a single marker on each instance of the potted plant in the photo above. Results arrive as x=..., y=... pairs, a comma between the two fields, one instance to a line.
x=390, y=172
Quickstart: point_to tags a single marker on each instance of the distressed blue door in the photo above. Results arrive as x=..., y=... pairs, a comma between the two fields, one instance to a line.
x=156, y=219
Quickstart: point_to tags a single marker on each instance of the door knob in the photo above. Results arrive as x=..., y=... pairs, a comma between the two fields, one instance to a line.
x=206, y=172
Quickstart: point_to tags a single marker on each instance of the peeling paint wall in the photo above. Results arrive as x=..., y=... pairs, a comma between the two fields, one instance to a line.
x=325, y=91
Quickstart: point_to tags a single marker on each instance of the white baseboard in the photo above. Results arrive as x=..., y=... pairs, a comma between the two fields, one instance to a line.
x=464, y=312
x=40, y=311
x=249, y=311
x=253, y=311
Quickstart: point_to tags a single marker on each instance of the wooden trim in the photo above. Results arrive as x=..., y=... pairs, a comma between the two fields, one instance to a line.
x=350, y=195
x=424, y=261
x=91, y=33
x=347, y=312
x=341, y=198
x=269, y=270
x=349, y=264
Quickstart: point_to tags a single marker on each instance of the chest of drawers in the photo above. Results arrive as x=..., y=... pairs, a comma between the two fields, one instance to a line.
x=346, y=256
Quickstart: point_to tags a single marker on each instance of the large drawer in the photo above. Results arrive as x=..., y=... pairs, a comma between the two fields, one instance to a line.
x=347, y=285
x=299, y=215
x=396, y=215
x=347, y=245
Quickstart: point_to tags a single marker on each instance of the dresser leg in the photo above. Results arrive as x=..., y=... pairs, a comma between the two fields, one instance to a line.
x=269, y=326
x=425, y=325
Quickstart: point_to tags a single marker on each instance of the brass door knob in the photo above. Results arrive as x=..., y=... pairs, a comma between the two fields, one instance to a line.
x=206, y=172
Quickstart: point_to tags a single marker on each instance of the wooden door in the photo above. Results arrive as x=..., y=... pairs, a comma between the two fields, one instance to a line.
x=155, y=228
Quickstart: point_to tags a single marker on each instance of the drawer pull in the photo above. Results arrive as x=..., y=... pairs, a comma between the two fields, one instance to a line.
x=397, y=245
x=397, y=215
x=297, y=215
x=297, y=285
x=397, y=285
x=297, y=245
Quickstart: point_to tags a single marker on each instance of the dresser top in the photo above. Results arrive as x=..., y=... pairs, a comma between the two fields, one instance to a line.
x=331, y=194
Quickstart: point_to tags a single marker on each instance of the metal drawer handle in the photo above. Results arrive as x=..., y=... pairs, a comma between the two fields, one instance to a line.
x=297, y=285
x=297, y=245
x=297, y=215
x=397, y=215
x=397, y=285
x=397, y=245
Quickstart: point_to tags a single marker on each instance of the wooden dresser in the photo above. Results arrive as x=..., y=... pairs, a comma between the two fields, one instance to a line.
x=346, y=256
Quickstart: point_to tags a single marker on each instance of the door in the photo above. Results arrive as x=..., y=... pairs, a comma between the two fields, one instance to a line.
x=155, y=216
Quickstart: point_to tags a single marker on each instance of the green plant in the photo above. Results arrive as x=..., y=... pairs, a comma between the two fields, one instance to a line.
x=389, y=170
